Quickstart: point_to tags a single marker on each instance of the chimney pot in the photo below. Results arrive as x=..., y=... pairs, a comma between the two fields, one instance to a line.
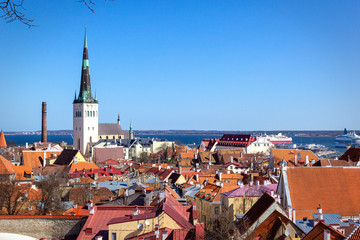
x=327, y=235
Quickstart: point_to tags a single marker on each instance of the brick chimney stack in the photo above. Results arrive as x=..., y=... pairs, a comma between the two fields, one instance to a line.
x=43, y=127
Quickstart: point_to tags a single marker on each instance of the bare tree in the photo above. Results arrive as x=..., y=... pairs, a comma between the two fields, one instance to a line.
x=221, y=228
x=50, y=194
x=13, y=10
x=11, y=197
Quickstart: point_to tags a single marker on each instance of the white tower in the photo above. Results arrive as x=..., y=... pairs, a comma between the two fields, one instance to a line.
x=85, y=110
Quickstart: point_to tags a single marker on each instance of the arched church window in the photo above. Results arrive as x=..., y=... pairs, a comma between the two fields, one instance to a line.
x=93, y=113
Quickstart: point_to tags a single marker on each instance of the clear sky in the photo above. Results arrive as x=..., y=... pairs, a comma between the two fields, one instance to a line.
x=187, y=64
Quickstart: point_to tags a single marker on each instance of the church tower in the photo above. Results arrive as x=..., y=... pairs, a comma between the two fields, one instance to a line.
x=85, y=109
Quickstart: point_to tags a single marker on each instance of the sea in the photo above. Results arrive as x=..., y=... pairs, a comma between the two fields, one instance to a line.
x=188, y=139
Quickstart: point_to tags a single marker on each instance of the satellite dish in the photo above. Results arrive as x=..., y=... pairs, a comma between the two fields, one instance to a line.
x=140, y=226
x=287, y=232
x=147, y=222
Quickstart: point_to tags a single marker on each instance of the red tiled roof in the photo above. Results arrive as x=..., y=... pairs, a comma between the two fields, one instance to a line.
x=98, y=222
x=236, y=140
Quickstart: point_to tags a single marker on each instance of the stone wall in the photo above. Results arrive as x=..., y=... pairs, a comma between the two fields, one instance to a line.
x=43, y=226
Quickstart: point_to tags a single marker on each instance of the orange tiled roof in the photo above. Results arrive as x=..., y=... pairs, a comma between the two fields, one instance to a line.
x=211, y=192
x=171, y=191
x=2, y=140
x=207, y=156
x=35, y=158
x=21, y=171
x=335, y=188
x=355, y=235
x=83, y=165
x=317, y=233
x=6, y=167
x=270, y=226
x=289, y=155
x=78, y=211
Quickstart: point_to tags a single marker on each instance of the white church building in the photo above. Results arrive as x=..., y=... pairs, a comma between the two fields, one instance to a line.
x=86, y=127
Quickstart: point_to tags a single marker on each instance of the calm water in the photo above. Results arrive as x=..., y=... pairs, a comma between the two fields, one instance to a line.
x=185, y=139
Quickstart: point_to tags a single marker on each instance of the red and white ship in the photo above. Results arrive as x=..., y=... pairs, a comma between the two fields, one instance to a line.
x=278, y=138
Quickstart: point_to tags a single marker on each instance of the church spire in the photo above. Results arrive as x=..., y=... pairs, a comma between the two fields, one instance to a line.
x=131, y=133
x=85, y=94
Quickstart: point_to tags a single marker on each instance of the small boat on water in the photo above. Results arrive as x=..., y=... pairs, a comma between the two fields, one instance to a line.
x=342, y=141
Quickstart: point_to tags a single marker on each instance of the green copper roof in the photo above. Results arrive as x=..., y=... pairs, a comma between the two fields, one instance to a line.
x=85, y=39
x=85, y=63
x=85, y=85
x=131, y=131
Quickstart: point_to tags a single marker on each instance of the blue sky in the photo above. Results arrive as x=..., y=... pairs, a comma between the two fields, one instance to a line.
x=187, y=64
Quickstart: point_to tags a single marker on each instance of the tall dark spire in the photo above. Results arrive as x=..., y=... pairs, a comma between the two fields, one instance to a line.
x=85, y=94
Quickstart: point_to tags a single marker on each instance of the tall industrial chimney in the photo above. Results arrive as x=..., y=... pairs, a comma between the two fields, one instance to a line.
x=43, y=127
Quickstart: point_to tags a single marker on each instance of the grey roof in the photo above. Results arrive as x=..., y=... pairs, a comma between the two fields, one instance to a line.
x=126, y=143
x=305, y=225
x=329, y=218
x=113, y=186
x=110, y=129
x=191, y=191
x=152, y=180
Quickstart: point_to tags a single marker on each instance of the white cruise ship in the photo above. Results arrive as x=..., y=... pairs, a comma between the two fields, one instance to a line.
x=345, y=139
x=278, y=138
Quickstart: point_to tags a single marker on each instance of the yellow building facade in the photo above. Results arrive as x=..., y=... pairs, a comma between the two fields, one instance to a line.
x=128, y=229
